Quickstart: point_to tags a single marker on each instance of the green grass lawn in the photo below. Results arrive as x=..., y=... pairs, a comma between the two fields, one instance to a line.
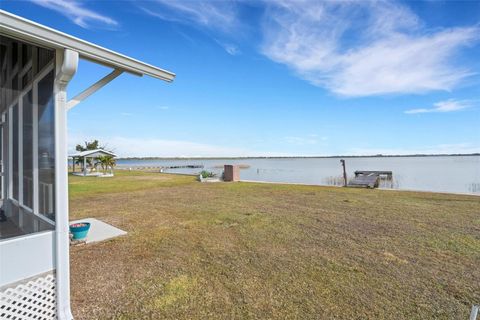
x=268, y=251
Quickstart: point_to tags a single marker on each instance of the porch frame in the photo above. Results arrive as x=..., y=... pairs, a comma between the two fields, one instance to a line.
x=66, y=66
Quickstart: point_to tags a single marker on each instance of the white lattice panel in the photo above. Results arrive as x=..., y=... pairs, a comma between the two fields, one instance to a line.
x=33, y=300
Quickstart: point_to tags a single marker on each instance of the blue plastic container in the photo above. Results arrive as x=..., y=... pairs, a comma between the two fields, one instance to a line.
x=80, y=233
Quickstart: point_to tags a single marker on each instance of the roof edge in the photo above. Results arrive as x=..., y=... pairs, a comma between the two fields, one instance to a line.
x=16, y=26
x=89, y=152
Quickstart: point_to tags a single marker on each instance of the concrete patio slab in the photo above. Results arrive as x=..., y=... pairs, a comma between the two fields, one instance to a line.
x=100, y=231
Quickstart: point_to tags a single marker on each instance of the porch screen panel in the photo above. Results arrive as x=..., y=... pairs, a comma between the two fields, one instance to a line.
x=26, y=91
x=2, y=177
x=46, y=147
x=27, y=117
x=15, y=149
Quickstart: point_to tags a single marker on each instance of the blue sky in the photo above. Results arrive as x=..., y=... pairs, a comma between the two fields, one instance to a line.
x=278, y=77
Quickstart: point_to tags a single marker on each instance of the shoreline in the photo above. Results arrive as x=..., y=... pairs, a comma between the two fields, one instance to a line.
x=307, y=184
x=383, y=189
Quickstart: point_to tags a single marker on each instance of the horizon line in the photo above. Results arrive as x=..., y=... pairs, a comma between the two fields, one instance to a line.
x=300, y=156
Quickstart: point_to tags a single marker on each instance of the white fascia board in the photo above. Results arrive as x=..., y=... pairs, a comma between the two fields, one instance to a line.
x=92, y=152
x=23, y=29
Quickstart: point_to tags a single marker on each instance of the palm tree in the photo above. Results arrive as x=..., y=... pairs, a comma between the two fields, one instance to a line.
x=106, y=162
x=111, y=162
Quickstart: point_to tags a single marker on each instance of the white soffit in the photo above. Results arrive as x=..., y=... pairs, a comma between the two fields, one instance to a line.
x=23, y=29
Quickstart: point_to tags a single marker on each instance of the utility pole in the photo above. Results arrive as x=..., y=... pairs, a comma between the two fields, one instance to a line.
x=344, y=173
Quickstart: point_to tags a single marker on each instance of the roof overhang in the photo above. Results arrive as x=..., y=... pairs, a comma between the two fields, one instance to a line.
x=23, y=29
x=92, y=153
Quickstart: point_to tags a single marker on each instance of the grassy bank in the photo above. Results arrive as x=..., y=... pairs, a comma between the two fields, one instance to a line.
x=266, y=251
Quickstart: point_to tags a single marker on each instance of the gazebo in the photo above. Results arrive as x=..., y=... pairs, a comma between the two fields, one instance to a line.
x=36, y=66
x=93, y=155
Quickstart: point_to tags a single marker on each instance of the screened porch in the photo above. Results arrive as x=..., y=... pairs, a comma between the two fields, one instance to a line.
x=27, y=148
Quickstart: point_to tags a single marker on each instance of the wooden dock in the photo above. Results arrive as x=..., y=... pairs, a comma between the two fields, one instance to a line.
x=368, y=179
x=190, y=166
x=389, y=174
x=159, y=168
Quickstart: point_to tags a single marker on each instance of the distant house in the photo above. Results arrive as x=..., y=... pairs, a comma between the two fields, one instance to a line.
x=84, y=156
x=36, y=65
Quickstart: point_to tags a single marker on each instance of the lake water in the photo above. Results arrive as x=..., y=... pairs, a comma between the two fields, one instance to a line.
x=457, y=174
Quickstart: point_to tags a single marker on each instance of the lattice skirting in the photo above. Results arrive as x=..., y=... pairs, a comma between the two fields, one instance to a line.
x=34, y=299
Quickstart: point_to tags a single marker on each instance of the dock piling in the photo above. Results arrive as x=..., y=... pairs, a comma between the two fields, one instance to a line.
x=344, y=173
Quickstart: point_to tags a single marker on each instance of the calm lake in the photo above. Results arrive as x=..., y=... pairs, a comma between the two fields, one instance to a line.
x=458, y=174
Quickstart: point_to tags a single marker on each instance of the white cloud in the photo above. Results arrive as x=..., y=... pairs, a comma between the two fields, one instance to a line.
x=455, y=148
x=444, y=106
x=363, y=48
x=76, y=12
x=212, y=15
x=219, y=15
x=314, y=135
x=351, y=48
x=153, y=147
x=230, y=48
x=163, y=107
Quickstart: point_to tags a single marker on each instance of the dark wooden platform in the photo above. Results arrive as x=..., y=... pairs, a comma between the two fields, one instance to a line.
x=380, y=173
x=368, y=179
x=190, y=166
